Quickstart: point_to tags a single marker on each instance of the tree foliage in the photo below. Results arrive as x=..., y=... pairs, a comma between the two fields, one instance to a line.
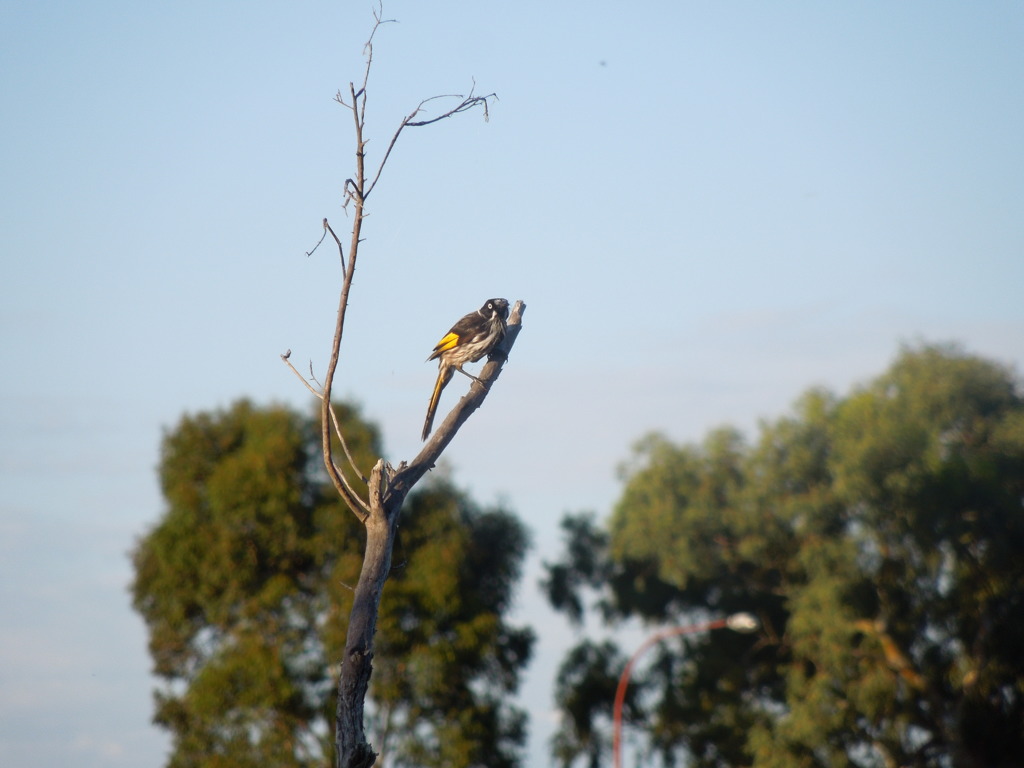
x=243, y=585
x=878, y=537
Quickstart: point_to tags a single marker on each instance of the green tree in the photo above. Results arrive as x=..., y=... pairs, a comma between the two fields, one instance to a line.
x=242, y=585
x=879, y=539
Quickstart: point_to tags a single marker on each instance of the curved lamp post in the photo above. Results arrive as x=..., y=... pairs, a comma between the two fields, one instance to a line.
x=738, y=622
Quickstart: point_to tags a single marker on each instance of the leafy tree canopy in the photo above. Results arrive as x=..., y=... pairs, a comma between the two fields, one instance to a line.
x=879, y=538
x=244, y=587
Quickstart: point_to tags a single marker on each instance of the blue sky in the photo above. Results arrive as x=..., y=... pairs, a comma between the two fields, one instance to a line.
x=708, y=208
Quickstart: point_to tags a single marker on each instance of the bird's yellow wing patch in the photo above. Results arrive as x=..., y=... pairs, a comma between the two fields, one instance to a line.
x=448, y=342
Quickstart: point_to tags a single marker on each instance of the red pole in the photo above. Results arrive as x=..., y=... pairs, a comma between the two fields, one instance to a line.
x=620, y=691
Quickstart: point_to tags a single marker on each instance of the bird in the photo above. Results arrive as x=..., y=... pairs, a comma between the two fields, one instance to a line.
x=475, y=335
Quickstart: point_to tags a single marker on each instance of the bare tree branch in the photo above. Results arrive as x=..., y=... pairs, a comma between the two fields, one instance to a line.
x=312, y=250
x=337, y=430
x=327, y=413
x=468, y=102
x=341, y=251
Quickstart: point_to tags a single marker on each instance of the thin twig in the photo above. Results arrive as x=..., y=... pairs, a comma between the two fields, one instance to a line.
x=313, y=249
x=299, y=376
x=468, y=102
x=337, y=430
x=368, y=48
x=334, y=417
x=344, y=445
x=352, y=496
x=341, y=251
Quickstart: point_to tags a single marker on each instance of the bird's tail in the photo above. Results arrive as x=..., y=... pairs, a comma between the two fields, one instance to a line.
x=443, y=377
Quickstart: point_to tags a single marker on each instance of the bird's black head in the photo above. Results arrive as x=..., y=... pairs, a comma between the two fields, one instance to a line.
x=499, y=306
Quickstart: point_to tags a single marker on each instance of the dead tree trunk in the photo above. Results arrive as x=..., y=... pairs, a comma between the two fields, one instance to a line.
x=387, y=486
x=388, y=489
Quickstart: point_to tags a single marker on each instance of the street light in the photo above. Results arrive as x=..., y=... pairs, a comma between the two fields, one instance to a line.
x=738, y=622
